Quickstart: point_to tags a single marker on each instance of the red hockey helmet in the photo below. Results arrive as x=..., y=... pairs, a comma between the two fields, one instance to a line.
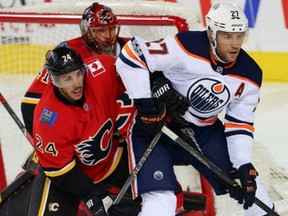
x=100, y=28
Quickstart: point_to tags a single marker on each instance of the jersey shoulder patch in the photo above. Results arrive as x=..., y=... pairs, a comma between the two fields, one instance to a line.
x=48, y=116
x=95, y=67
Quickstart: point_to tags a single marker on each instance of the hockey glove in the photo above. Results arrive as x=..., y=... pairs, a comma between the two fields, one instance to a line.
x=247, y=175
x=150, y=116
x=175, y=103
x=98, y=200
x=130, y=209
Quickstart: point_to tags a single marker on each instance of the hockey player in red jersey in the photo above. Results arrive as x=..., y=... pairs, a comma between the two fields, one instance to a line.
x=200, y=75
x=100, y=35
x=76, y=137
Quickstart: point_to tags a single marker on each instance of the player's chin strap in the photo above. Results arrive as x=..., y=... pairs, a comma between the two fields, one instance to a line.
x=200, y=157
x=213, y=49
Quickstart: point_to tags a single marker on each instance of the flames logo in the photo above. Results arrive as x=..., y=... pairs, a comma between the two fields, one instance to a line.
x=105, y=17
x=96, y=148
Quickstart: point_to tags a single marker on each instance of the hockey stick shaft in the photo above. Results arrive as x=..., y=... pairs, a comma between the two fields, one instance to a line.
x=16, y=119
x=211, y=166
x=15, y=185
x=137, y=168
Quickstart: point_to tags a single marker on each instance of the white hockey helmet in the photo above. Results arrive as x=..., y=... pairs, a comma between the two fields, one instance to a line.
x=227, y=18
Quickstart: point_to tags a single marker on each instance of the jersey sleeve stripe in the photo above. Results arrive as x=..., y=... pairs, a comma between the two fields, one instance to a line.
x=62, y=171
x=232, y=119
x=132, y=55
x=239, y=126
x=238, y=132
x=30, y=100
x=209, y=121
x=128, y=62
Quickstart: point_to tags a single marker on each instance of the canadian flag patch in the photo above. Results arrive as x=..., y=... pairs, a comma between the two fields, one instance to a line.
x=96, y=68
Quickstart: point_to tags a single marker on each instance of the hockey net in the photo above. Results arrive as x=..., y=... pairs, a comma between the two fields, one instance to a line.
x=28, y=32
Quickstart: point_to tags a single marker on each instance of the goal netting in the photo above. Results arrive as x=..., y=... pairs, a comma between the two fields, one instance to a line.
x=28, y=32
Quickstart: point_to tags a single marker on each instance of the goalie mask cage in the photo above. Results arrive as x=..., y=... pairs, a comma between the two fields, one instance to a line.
x=28, y=32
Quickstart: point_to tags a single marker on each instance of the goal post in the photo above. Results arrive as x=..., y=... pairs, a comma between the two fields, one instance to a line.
x=31, y=42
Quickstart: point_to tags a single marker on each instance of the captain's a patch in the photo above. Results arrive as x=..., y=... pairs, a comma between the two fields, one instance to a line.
x=48, y=117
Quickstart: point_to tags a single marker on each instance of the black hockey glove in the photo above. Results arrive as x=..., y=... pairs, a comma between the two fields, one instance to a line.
x=247, y=175
x=131, y=209
x=151, y=115
x=115, y=210
x=176, y=103
x=98, y=200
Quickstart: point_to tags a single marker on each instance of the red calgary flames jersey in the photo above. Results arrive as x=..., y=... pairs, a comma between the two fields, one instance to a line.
x=68, y=134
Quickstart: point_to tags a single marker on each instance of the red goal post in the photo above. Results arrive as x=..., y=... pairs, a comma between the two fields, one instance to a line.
x=140, y=20
x=155, y=26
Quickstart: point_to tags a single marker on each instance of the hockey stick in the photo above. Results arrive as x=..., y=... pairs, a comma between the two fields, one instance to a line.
x=16, y=119
x=137, y=168
x=195, y=153
x=33, y=168
x=24, y=131
x=15, y=185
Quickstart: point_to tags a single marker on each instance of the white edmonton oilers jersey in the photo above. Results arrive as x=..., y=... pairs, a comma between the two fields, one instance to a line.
x=209, y=85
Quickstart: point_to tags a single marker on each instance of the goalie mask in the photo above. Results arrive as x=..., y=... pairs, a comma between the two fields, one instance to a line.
x=63, y=60
x=99, y=28
x=226, y=18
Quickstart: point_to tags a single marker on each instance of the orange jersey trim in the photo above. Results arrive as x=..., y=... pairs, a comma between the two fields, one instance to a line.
x=239, y=126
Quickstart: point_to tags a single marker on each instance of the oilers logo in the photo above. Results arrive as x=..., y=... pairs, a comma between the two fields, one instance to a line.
x=158, y=175
x=208, y=95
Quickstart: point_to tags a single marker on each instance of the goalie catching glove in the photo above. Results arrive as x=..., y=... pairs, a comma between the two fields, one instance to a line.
x=98, y=201
x=176, y=103
x=247, y=175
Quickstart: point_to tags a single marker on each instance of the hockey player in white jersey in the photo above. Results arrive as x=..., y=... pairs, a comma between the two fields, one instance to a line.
x=198, y=75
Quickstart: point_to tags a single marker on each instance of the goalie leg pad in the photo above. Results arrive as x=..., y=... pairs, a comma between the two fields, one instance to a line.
x=17, y=203
x=46, y=199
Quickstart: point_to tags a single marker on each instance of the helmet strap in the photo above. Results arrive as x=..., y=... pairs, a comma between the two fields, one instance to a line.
x=213, y=45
